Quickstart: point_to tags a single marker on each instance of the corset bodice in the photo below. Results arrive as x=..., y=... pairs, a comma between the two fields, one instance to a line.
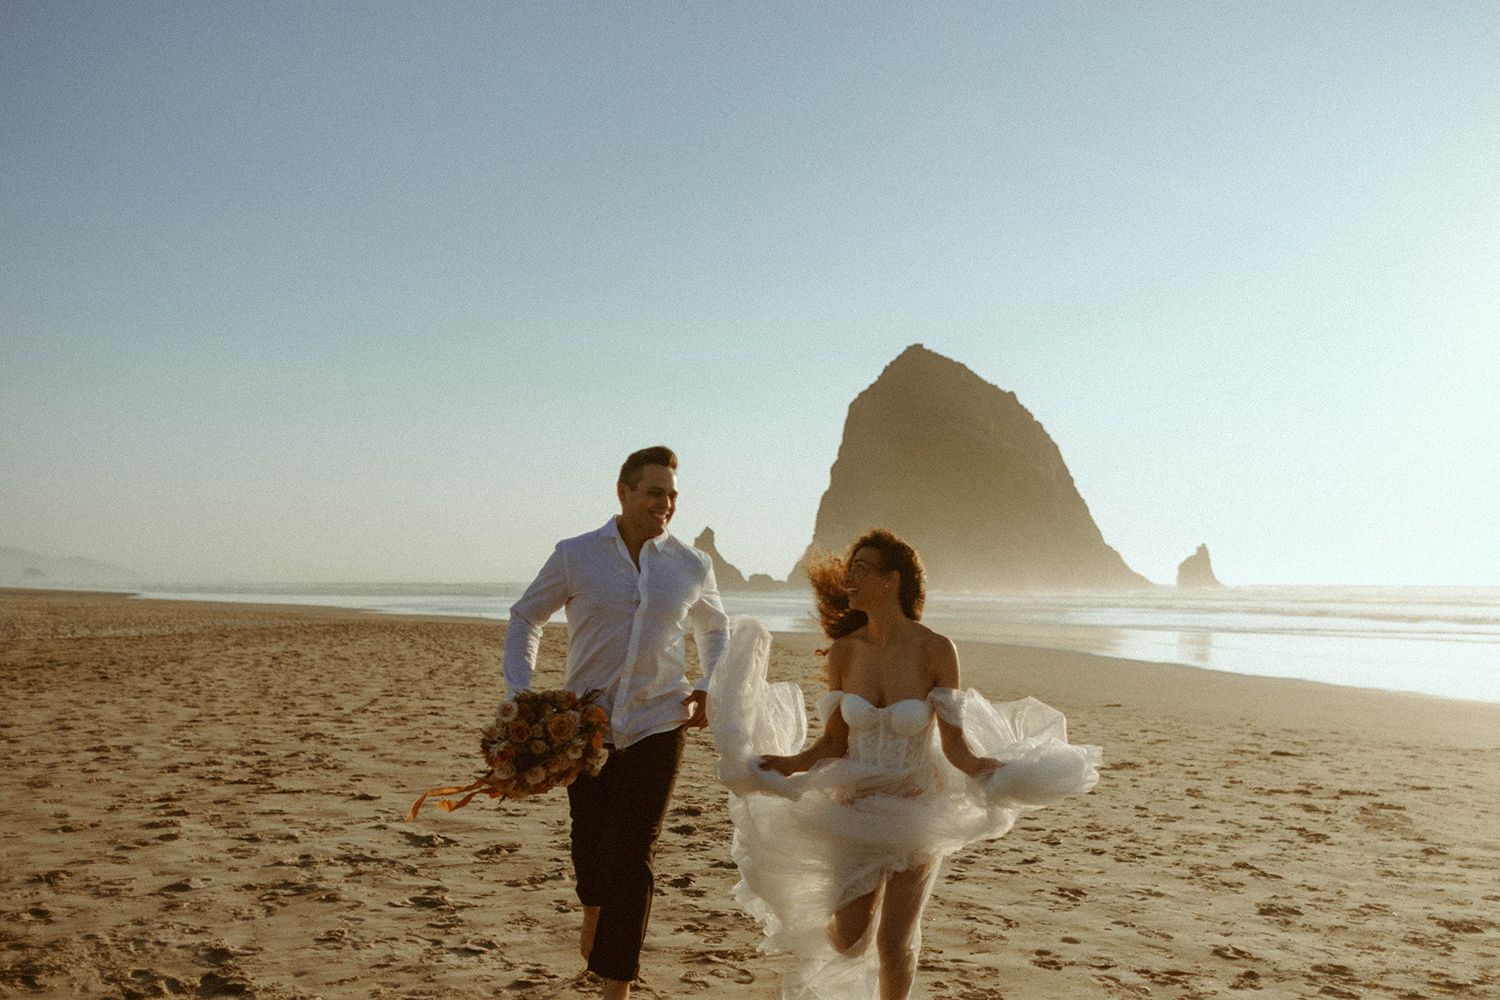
x=898, y=736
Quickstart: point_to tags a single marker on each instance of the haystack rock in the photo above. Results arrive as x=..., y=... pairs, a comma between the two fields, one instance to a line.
x=962, y=471
x=1197, y=571
x=728, y=577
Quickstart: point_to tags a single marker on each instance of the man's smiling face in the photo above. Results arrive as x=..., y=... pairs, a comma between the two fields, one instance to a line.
x=646, y=510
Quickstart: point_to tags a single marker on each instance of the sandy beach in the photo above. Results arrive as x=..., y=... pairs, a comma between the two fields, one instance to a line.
x=207, y=799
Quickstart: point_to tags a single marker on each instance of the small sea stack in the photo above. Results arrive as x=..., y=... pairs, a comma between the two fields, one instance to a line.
x=1197, y=571
x=725, y=573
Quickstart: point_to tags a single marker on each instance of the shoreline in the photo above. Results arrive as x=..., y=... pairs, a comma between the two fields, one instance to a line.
x=1317, y=690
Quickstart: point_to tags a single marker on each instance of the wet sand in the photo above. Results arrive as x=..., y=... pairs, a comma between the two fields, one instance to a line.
x=207, y=799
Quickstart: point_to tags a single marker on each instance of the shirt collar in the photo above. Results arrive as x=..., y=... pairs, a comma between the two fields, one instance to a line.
x=611, y=529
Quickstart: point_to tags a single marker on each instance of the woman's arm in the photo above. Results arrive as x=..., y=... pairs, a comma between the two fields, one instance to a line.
x=835, y=739
x=833, y=743
x=956, y=749
x=943, y=659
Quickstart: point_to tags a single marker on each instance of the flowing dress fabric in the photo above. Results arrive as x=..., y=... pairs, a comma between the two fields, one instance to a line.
x=809, y=844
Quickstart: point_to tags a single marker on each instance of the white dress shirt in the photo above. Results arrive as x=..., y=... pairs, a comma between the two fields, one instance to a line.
x=627, y=628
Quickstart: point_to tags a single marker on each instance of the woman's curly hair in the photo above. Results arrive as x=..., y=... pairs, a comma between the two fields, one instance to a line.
x=825, y=571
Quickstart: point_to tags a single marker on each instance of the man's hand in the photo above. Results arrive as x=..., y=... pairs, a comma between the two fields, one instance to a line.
x=697, y=706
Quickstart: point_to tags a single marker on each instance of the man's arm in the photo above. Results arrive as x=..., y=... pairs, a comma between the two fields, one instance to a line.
x=546, y=595
x=711, y=630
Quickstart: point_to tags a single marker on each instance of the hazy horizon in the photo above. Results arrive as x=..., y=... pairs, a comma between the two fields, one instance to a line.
x=290, y=294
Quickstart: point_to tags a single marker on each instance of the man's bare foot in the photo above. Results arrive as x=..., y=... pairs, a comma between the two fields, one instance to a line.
x=614, y=989
x=586, y=937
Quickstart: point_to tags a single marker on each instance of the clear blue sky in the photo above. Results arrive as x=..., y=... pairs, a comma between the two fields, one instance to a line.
x=382, y=291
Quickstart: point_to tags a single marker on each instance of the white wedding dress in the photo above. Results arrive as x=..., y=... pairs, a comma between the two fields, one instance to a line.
x=809, y=844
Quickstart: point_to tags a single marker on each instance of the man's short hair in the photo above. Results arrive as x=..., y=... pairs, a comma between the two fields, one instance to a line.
x=630, y=472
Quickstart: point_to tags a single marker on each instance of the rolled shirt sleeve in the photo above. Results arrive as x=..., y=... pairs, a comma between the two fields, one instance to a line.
x=547, y=595
x=710, y=628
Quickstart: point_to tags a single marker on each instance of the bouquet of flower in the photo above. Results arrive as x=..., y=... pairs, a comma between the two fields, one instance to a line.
x=538, y=741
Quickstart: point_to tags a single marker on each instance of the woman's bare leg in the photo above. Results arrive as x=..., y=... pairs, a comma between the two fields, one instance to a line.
x=851, y=920
x=899, y=937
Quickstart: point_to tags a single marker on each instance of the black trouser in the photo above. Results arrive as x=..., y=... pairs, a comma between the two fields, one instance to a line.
x=617, y=817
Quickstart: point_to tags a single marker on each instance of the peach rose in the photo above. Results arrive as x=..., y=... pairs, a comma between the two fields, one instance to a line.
x=595, y=716
x=519, y=732
x=560, y=727
x=535, y=776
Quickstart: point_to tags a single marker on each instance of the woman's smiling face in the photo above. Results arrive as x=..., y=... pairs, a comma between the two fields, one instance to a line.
x=865, y=581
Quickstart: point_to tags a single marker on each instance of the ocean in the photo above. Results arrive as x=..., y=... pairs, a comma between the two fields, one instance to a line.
x=1441, y=641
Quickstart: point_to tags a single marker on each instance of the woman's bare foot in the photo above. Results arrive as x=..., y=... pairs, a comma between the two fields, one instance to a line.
x=586, y=937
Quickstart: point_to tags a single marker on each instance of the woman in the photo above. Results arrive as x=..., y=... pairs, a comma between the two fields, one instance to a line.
x=839, y=844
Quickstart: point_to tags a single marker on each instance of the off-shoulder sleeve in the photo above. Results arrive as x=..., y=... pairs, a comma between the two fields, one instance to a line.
x=828, y=703
x=949, y=705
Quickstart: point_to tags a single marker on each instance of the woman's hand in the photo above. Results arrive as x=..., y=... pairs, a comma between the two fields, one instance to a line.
x=782, y=765
x=983, y=767
x=957, y=750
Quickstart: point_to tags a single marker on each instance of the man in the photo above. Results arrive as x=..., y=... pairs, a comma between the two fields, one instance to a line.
x=629, y=589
